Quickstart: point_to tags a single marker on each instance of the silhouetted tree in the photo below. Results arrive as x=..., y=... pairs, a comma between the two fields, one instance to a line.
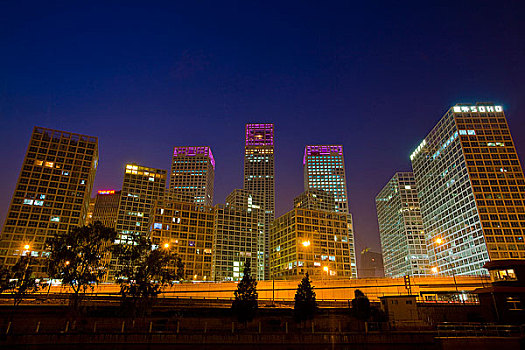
x=143, y=270
x=79, y=257
x=360, y=306
x=245, y=304
x=305, y=305
x=18, y=280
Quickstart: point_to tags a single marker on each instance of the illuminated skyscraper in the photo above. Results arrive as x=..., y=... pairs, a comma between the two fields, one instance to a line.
x=471, y=190
x=259, y=173
x=106, y=208
x=245, y=201
x=52, y=193
x=236, y=237
x=186, y=229
x=401, y=228
x=141, y=188
x=193, y=173
x=308, y=239
x=324, y=169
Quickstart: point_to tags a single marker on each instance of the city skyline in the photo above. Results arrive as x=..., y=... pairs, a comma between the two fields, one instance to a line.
x=322, y=74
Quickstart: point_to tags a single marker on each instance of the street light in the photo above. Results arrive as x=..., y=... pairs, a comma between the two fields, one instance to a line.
x=434, y=269
x=439, y=240
x=306, y=243
x=27, y=246
x=166, y=245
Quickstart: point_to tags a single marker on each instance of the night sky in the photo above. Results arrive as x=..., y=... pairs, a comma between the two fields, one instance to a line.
x=146, y=76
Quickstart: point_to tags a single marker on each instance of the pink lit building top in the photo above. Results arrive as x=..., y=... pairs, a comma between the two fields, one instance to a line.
x=193, y=151
x=322, y=150
x=259, y=134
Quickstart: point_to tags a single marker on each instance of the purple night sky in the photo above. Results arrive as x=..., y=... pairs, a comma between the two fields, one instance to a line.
x=147, y=76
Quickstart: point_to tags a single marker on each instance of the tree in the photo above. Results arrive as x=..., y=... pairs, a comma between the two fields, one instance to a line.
x=245, y=304
x=19, y=280
x=361, y=306
x=79, y=257
x=305, y=305
x=142, y=272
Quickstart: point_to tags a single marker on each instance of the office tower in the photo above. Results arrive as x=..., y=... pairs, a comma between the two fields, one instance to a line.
x=193, y=173
x=371, y=264
x=91, y=208
x=259, y=173
x=244, y=200
x=52, y=193
x=324, y=169
x=186, y=229
x=310, y=240
x=106, y=208
x=315, y=199
x=401, y=227
x=471, y=190
x=142, y=186
x=236, y=239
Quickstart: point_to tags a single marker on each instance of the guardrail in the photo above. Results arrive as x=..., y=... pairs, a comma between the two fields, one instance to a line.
x=479, y=330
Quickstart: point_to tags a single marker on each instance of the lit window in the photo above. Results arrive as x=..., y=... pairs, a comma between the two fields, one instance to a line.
x=55, y=218
x=39, y=203
x=28, y=201
x=157, y=226
x=49, y=164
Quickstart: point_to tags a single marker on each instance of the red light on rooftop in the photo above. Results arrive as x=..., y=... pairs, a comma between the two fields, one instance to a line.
x=106, y=192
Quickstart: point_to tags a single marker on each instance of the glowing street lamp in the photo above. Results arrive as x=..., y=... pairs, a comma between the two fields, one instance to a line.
x=434, y=269
x=439, y=240
x=325, y=268
x=166, y=245
x=27, y=246
x=306, y=244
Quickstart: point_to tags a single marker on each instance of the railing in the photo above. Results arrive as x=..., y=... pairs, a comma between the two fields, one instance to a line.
x=479, y=330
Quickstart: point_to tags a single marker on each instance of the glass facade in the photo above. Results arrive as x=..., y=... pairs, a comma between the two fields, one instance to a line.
x=471, y=190
x=401, y=228
x=324, y=169
x=193, y=173
x=259, y=174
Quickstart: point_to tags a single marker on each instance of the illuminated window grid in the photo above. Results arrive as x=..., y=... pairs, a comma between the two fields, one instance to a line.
x=401, y=228
x=235, y=241
x=259, y=173
x=324, y=169
x=328, y=246
x=52, y=193
x=193, y=173
x=476, y=155
x=187, y=229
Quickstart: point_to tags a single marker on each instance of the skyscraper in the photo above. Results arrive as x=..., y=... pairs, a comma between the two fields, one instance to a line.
x=371, y=264
x=309, y=239
x=401, y=228
x=186, y=229
x=106, y=208
x=193, y=173
x=52, y=193
x=259, y=173
x=243, y=200
x=236, y=239
x=142, y=186
x=324, y=169
x=471, y=190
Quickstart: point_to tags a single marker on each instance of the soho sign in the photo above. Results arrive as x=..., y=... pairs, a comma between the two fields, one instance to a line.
x=477, y=109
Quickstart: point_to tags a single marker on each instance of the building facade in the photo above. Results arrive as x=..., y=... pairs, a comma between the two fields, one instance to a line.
x=259, y=173
x=471, y=190
x=52, y=193
x=313, y=241
x=324, y=169
x=235, y=241
x=186, y=229
x=106, y=206
x=315, y=199
x=142, y=186
x=243, y=200
x=401, y=228
x=193, y=173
